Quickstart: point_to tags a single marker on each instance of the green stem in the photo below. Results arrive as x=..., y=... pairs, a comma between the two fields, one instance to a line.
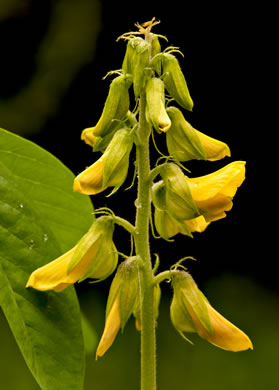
x=143, y=203
x=124, y=223
x=163, y=276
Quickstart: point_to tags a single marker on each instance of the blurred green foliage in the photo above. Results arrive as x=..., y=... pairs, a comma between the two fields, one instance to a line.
x=68, y=44
x=180, y=365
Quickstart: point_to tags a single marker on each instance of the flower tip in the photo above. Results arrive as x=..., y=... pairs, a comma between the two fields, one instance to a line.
x=77, y=186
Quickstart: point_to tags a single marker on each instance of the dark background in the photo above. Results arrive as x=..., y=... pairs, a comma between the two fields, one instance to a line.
x=54, y=55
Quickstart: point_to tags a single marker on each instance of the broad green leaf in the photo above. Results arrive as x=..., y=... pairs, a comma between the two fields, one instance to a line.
x=48, y=184
x=40, y=218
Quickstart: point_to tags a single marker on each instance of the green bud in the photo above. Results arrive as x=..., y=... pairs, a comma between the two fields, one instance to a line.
x=156, y=49
x=97, y=244
x=175, y=81
x=135, y=61
x=125, y=286
x=116, y=106
x=101, y=143
x=179, y=201
x=183, y=142
x=188, y=303
x=117, y=158
x=155, y=105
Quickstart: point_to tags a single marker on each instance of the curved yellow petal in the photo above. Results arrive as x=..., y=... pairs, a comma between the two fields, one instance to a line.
x=225, y=181
x=224, y=335
x=112, y=327
x=55, y=275
x=88, y=137
x=214, y=149
x=90, y=181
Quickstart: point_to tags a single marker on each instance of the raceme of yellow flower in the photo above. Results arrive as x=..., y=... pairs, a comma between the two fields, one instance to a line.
x=191, y=312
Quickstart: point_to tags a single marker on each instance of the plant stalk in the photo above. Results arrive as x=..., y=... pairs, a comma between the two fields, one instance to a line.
x=143, y=204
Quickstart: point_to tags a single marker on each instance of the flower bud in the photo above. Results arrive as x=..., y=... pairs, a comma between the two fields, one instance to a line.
x=175, y=82
x=121, y=302
x=191, y=312
x=156, y=49
x=94, y=256
x=155, y=105
x=186, y=143
x=135, y=61
x=111, y=169
x=116, y=106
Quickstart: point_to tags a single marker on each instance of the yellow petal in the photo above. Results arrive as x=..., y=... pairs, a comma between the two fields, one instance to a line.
x=111, y=328
x=90, y=181
x=224, y=335
x=198, y=224
x=55, y=276
x=88, y=137
x=214, y=149
x=164, y=121
x=225, y=181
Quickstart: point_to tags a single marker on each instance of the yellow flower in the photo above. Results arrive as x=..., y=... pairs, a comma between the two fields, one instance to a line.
x=156, y=112
x=111, y=169
x=191, y=312
x=186, y=205
x=122, y=302
x=213, y=193
x=186, y=143
x=94, y=256
x=112, y=326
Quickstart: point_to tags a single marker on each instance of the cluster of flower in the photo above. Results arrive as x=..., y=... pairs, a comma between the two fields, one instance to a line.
x=182, y=204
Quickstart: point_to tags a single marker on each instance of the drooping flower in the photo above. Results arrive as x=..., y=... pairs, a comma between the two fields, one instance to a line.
x=121, y=302
x=191, y=312
x=186, y=205
x=111, y=169
x=186, y=143
x=94, y=256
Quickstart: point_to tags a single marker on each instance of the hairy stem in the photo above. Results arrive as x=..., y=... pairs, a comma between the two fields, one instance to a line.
x=143, y=203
